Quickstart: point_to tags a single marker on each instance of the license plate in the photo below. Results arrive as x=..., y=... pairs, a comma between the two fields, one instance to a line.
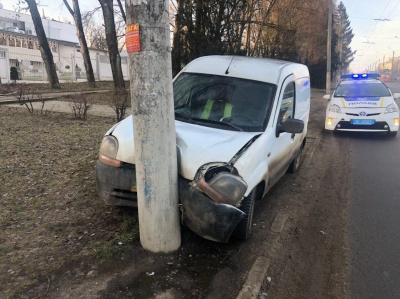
x=133, y=186
x=362, y=121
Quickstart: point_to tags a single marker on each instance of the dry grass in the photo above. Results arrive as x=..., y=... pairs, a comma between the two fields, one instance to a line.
x=51, y=218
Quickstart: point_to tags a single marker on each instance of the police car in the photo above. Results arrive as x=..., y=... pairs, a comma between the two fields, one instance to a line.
x=362, y=102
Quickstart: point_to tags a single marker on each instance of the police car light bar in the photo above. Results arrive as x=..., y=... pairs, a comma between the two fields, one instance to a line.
x=360, y=76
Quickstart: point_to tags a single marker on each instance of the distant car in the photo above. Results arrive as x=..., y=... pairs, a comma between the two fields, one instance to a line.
x=241, y=123
x=362, y=102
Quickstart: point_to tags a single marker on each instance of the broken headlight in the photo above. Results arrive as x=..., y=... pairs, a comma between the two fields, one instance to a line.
x=222, y=184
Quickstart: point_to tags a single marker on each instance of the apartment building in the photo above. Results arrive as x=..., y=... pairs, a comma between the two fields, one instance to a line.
x=19, y=48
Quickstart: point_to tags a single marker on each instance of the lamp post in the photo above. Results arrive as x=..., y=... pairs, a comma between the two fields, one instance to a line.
x=392, y=67
x=328, y=49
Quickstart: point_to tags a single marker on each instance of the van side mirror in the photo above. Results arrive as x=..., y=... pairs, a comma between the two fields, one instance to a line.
x=396, y=95
x=327, y=97
x=291, y=125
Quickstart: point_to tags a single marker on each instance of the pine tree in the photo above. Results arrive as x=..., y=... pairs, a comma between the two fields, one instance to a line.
x=344, y=54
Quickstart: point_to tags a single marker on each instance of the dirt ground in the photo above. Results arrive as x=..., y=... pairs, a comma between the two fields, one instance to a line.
x=58, y=240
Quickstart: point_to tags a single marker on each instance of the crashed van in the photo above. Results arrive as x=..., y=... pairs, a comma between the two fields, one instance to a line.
x=241, y=124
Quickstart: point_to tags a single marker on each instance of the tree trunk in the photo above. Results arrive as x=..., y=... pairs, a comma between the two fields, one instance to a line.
x=76, y=14
x=154, y=127
x=47, y=56
x=112, y=43
x=177, y=44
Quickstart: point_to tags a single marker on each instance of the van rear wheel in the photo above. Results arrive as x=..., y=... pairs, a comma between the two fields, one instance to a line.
x=243, y=229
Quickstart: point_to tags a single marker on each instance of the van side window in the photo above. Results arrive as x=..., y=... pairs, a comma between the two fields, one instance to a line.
x=288, y=102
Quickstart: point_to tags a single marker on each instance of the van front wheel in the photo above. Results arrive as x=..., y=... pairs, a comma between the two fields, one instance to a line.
x=243, y=229
x=295, y=165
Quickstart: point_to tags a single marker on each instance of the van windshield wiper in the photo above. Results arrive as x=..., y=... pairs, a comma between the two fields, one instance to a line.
x=217, y=122
x=185, y=117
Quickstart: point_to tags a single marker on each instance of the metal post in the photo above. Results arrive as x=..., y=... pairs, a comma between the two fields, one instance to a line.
x=391, y=69
x=328, y=49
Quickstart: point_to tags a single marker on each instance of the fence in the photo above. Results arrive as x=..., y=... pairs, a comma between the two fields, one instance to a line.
x=69, y=68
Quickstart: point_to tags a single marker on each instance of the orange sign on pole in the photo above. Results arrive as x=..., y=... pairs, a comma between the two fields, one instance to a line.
x=132, y=38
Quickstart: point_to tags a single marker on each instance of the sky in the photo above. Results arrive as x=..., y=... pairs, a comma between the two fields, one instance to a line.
x=376, y=29
x=55, y=9
x=375, y=24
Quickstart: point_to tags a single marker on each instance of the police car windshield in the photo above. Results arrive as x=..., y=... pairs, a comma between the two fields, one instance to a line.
x=243, y=103
x=361, y=89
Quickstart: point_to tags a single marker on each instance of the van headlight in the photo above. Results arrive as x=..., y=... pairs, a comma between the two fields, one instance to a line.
x=222, y=184
x=391, y=108
x=108, y=151
x=334, y=108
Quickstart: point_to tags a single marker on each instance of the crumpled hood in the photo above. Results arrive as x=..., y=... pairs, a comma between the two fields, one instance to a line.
x=363, y=102
x=196, y=145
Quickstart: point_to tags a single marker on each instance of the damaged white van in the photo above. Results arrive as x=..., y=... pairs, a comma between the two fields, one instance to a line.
x=241, y=124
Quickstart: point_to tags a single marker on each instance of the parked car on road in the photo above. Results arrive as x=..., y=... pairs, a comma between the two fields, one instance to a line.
x=241, y=123
x=362, y=102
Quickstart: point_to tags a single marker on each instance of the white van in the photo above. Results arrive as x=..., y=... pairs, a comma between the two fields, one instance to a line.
x=241, y=123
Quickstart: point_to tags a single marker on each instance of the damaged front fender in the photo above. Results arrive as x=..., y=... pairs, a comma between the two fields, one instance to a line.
x=210, y=220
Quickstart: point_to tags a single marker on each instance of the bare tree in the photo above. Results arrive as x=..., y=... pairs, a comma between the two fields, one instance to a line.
x=76, y=14
x=112, y=43
x=121, y=8
x=96, y=36
x=45, y=51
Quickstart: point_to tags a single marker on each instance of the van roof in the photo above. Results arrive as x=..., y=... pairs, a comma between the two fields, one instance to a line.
x=253, y=68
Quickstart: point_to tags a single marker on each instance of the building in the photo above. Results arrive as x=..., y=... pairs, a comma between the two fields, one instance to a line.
x=19, y=48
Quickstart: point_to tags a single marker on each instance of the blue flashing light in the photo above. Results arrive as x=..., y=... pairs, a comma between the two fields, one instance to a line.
x=361, y=76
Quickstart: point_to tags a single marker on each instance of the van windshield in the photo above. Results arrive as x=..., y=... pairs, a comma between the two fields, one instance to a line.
x=223, y=102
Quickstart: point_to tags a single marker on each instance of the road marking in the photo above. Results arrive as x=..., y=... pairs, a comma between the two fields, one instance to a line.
x=255, y=278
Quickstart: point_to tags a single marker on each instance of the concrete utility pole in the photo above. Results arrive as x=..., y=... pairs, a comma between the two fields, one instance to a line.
x=328, y=49
x=148, y=45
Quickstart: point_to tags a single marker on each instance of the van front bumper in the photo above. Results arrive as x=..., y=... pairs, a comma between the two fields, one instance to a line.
x=116, y=185
x=206, y=218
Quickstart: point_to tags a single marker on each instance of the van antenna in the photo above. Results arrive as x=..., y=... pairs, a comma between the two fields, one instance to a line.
x=227, y=70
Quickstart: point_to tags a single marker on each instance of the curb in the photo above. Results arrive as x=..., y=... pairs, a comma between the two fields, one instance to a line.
x=255, y=277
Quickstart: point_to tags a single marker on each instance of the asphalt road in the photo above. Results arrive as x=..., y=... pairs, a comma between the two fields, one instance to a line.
x=374, y=214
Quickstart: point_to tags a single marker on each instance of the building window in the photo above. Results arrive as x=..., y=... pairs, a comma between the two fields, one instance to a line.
x=2, y=54
x=11, y=42
x=53, y=47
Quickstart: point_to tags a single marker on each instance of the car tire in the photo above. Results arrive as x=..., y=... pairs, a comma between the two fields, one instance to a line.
x=244, y=227
x=392, y=133
x=295, y=164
